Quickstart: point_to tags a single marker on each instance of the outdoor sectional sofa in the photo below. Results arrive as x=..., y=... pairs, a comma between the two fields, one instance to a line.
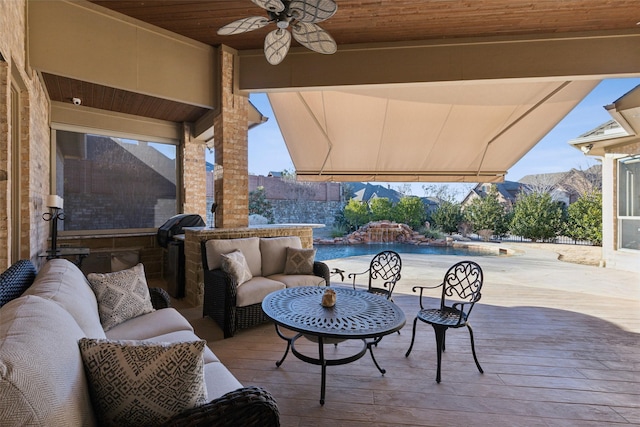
x=274, y=263
x=47, y=377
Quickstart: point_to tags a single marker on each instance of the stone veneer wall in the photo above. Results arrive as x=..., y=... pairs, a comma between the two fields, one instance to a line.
x=231, y=150
x=301, y=211
x=194, y=285
x=193, y=180
x=34, y=139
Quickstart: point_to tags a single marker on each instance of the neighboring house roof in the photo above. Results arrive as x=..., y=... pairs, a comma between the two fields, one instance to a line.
x=363, y=192
x=565, y=181
x=610, y=129
x=151, y=157
x=508, y=190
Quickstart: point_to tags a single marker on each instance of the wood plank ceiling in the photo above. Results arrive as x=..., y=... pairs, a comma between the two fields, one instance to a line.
x=356, y=22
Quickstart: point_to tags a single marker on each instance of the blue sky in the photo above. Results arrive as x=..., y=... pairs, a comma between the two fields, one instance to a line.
x=267, y=150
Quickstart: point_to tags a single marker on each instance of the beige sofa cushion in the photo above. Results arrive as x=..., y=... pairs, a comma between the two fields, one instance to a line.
x=42, y=379
x=254, y=291
x=184, y=336
x=62, y=282
x=274, y=253
x=250, y=248
x=293, y=280
x=150, y=325
x=219, y=380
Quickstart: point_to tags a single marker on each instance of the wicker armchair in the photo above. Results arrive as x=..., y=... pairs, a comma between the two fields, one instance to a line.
x=220, y=292
x=247, y=406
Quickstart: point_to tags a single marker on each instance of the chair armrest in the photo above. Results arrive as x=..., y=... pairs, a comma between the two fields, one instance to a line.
x=159, y=298
x=247, y=406
x=422, y=288
x=321, y=269
x=354, y=275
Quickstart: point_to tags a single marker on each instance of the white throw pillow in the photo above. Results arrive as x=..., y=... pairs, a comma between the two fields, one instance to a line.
x=235, y=264
x=121, y=295
x=137, y=383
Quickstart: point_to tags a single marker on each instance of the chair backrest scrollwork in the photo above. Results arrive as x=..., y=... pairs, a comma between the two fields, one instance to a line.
x=463, y=281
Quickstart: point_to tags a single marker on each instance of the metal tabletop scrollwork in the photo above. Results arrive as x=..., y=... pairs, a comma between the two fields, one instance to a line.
x=356, y=314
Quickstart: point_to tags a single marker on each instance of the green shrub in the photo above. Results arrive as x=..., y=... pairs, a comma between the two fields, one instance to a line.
x=584, y=218
x=537, y=216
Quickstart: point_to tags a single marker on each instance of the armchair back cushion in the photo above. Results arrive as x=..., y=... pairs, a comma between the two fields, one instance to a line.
x=42, y=378
x=250, y=248
x=274, y=253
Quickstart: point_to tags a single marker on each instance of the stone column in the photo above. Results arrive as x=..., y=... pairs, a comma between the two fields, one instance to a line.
x=194, y=184
x=230, y=136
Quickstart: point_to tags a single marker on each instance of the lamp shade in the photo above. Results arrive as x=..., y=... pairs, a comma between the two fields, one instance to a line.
x=54, y=201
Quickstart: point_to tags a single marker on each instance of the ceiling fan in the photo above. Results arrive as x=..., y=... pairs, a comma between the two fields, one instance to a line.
x=300, y=15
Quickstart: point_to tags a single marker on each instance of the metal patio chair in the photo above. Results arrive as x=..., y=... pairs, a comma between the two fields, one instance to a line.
x=460, y=291
x=384, y=273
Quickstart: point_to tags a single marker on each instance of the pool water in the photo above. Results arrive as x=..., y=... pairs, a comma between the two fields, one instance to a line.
x=326, y=252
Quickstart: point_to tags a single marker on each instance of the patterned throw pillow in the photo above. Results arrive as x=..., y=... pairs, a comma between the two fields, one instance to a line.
x=136, y=383
x=299, y=261
x=235, y=264
x=121, y=295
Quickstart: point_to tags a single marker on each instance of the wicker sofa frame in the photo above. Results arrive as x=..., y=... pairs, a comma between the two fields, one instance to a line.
x=220, y=292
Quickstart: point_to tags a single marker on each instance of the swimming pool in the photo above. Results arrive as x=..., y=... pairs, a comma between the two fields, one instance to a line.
x=326, y=252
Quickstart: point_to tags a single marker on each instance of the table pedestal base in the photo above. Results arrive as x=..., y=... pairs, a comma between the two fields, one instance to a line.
x=321, y=360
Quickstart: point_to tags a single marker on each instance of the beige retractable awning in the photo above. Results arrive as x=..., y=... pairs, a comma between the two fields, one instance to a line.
x=453, y=132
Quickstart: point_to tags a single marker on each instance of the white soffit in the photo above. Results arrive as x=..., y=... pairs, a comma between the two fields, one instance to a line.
x=453, y=132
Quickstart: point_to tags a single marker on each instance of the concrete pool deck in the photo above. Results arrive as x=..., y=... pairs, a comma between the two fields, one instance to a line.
x=524, y=267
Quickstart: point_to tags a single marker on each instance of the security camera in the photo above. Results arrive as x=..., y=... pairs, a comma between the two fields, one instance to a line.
x=76, y=101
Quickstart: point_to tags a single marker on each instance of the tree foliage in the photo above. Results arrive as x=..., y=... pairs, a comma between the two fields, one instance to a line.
x=487, y=213
x=584, y=218
x=410, y=210
x=381, y=208
x=356, y=213
x=447, y=217
x=258, y=204
x=537, y=216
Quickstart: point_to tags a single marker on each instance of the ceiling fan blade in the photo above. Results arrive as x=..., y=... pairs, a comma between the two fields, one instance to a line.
x=243, y=25
x=270, y=5
x=276, y=45
x=312, y=10
x=315, y=38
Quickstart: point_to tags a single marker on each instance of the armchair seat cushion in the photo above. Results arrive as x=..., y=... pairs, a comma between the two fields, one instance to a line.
x=254, y=290
x=293, y=280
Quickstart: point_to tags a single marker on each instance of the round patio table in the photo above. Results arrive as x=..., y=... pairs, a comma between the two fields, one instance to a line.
x=356, y=315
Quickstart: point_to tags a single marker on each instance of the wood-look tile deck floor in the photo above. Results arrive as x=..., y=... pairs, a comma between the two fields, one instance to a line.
x=559, y=344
